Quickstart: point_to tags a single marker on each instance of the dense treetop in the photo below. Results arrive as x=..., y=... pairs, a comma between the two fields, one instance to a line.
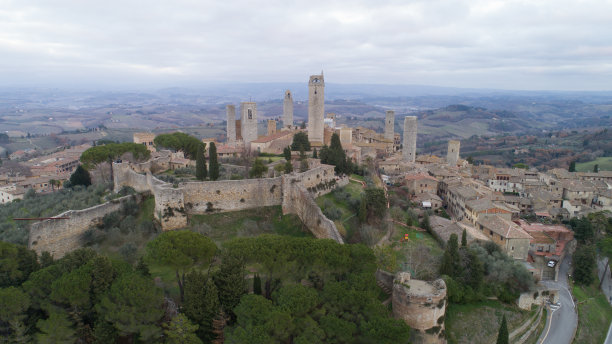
x=112, y=151
x=180, y=142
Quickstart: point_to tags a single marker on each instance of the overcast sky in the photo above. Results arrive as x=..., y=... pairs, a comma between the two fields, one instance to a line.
x=531, y=44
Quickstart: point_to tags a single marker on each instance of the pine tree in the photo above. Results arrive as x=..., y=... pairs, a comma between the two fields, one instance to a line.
x=463, y=238
x=213, y=161
x=231, y=283
x=201, y=172
x=502, y=336
x=201, y=303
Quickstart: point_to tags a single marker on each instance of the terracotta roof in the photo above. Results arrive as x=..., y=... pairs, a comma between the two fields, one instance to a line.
x=419, y=177
x=503, y=227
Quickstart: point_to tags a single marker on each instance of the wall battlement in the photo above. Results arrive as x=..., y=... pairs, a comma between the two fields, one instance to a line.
x=294, y=192
x=59, y=237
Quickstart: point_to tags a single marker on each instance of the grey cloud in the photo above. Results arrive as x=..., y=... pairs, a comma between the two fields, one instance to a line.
x=547, y=44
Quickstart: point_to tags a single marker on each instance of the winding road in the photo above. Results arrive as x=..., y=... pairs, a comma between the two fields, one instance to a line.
x=562, y=321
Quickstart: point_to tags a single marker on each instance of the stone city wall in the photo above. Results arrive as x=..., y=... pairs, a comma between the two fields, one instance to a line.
x=297, y=200
x=59, y=237
x=231, y=195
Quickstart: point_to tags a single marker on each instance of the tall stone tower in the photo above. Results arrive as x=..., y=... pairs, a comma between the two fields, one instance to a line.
x=248, y=121
x=288, y=110
x=230, y=112
x=452, y=156
x=316, y=108
x=389, y=124
x=410, y=137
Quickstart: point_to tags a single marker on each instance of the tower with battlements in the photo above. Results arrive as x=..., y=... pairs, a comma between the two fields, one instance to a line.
x=389, y=124
x=316, y=108
x=248, y=121
x=288, y=110
x=230, y=113
x=452, y=156
x=410, y=138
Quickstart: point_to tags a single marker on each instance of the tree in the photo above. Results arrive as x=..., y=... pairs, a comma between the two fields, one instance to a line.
x=230, y=280
x=376, y=201
x=16, y=264
x=335, y=155
x=584, y=262
x=502, y=335
x=450, y=265
x=425, y=223
x=180, y=250
x=181, y=331
x=303, y=160
x=258, y=169
x=257, y=285
x=464, y=238
x=56, y=329
x=80, y=176
x=300, y=141
x=572, y=166
x=288, y=167
x=596, y=168
x=201, y=303
x=179, y=142
x=363, y=210
x=201, y=172
x=111, y=151
x=134, y=306
x=470, y=160
x=605, y=249
x=314, y=153
x=287, y=153
x=213, y=161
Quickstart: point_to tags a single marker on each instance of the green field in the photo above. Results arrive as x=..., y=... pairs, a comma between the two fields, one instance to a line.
x=594, y=314
x=221, y=227
x=605, y=164
x=479, y=322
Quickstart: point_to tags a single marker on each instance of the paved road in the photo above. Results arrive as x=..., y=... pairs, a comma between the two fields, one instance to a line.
x=564, y=320
x=606, y=287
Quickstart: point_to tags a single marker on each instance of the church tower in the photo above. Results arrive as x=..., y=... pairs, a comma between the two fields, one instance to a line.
x=316, y=108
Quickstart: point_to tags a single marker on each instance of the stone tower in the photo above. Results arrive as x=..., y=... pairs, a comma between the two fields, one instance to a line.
x=316, y=108
x=389, y=124
x=230, y=112
x=288, y=110
x=452, y=156
x=271, y=127
x=410, y=137
x=248, y=121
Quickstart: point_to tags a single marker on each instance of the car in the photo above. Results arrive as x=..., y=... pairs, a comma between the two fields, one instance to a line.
x=551, y=264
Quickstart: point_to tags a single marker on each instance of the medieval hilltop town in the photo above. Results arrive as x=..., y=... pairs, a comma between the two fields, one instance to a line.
x=517, y=209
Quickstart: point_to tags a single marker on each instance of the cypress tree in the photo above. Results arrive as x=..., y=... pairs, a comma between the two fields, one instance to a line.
x=314, y=153
x=288, y=167
x=463, y=238
x=572, y=167
x=502, y=336
x=287, y=153
x=257, y=285
x=80, y=177
x=213, y=162
x=201, y=172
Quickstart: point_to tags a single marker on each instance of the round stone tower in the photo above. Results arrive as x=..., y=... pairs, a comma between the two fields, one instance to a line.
x=422, y=306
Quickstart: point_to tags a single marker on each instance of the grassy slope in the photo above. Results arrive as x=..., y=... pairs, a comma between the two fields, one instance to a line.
x=594, y=314
x=479, y=322
x=348, y=221
x=605, y=164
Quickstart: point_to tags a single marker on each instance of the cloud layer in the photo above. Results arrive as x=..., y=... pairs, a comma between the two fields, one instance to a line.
x=512, y=44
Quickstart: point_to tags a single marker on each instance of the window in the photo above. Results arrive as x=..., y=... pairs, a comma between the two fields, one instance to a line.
x=250, y=114
x=491, y=232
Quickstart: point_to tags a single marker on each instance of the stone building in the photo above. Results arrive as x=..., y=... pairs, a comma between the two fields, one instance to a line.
x=509, y=236
x=410, y=138
x=230, y=112
x=248, y=122
x=452, y=156
x=316, y=108
x=390, y=125
x=422, y=305
x=271, y=127
x=288, y=110
x=145, y=139
x=421, y=183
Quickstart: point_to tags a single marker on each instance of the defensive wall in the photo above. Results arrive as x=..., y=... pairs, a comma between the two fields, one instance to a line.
x=59, y=237
x=295, y=192
x=422, y=305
